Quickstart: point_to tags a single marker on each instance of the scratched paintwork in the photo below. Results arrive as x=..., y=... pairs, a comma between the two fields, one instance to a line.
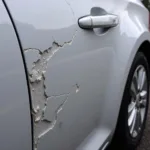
x=72, y=72
x=37, y=79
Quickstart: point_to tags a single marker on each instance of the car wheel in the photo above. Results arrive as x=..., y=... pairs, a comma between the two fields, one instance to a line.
x=134, y=107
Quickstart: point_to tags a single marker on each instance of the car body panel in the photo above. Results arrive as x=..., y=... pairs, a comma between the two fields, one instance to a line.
x=77, y=77
x=15, y=118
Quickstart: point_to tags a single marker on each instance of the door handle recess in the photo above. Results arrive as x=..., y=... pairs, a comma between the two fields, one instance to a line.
x=104, y=21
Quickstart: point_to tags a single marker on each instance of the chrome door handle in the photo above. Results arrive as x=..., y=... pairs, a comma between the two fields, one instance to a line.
x=104, y=21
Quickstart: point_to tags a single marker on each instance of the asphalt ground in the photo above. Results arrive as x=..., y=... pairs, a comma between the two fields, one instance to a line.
x=145, y=142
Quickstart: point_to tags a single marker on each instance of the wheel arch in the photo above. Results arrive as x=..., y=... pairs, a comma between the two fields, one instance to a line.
x=118, y=76
x=145, y=46
x=142, y=44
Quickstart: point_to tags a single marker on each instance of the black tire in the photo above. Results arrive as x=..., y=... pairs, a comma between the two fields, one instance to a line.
x=122, y=138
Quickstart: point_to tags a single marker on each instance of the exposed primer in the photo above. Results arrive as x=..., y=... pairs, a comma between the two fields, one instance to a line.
x=51, y=124
x=38, y=90
x=77, y=88
x=43, y=125
x=37, y=77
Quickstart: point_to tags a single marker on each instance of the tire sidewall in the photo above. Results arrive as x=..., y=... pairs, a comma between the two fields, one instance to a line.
x=139, y=60
x=122, y=134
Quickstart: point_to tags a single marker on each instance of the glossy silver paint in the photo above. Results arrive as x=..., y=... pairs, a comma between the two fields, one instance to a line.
x=15, y=121
x=77, y=77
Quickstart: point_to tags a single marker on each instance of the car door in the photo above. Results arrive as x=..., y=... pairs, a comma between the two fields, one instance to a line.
x=15, y=118
x=68, y=70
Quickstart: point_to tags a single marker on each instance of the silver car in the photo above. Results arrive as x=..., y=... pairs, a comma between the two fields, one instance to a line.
x=74, y=74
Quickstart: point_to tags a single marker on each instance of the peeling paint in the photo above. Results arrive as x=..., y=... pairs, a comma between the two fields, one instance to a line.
x=41, y=101
x=42, y=126
x=77, y=88
x=51, y=124
x=38, y=90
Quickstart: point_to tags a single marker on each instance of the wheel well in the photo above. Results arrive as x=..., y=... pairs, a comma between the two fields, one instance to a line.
x=145, y=48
